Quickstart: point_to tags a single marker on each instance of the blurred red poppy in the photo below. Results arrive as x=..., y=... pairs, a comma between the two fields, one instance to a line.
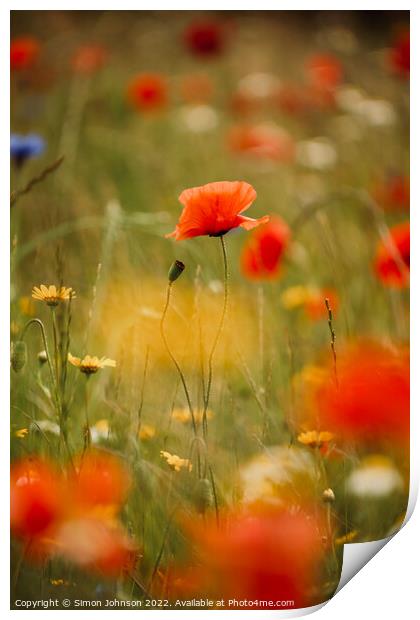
x=292, y=99
x=214, y=209
x=392, y=262
x=263, y=251
x=399, y=57
x=392, y=193
x=36, y=498
x=262, y=142
x=205, y=38
x=148, y=92
x=196, y=88
x=314, y=304
x=371, y=402
x=88, y=58
x=100, y=479
x=324, y=71
x=267, y=556
x=24, y=52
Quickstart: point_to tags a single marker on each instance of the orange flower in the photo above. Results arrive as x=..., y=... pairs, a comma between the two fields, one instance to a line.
x=24, y=52
x=214, y=209
x=399, y=58
x=262, y=254
x=372, y=400
x=324, y=71
x=392, y=263
x=148, y=92
x=205, y=38
x=100, y=480
x=88, y=59
x=36, y=499
x=392, y=192
x=267, y=556
x=262, y=141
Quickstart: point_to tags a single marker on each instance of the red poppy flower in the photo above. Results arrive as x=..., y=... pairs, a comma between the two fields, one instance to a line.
x=88, y=59
x=24, y=52
x=399, y=58
x=392, y=193
x=314, y=304
x=214, y=209
x=36, y=499
x=392, y=263
x=265, y=556
x=264, y=250
x=100, y=480
x=324, y=71
x=262, y=142
x=148, y=92
x=205, y=38
x=372, y=400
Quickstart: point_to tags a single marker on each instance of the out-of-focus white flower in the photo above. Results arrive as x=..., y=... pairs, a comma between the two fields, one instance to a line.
x=199, y=118
x=281, y=475
x=99, y=431
x=319, y=153
x=376, y=112
x=348, y=98
x=376, y=476
x=258, y=85
x=216, y=286
x=46, y=426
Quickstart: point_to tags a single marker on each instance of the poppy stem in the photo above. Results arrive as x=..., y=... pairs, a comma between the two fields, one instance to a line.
x=332, y=343
x=218, y=333
x=176, y=364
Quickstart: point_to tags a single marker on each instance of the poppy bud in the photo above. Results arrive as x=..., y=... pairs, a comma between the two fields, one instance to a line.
x=19, y=355
x=328, y=496
x=42, y=357
x=175, y=271
x=202, y=495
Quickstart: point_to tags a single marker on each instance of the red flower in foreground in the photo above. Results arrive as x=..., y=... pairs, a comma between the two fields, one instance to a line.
x=262, y=142
x=393, y=193
x=36, y=499
x=24, y=52
x=399, y=58
x=324, y=71
x=88, y=59
x=372, y=400
x=269, y=557
x=262, y=254
x=214, y=209
x=73, y=516
x=392, y=263
x=148, y=92
x=205, y=38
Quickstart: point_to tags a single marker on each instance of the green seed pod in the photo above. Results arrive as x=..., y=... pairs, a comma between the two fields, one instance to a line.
x=175, y=271
x=328, y=496
x=203, y=496
x=19, y=355
x=42, y=357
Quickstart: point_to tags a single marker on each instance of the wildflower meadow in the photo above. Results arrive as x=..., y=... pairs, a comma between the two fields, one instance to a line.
x=210, y=260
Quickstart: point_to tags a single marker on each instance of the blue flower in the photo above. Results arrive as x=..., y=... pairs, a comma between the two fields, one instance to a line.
x=24, y=147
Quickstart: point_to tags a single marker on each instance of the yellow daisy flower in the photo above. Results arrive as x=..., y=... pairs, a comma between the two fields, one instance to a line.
x=315, y=439
x=183, y=415
x=176, y=462
x=90, y=365
x=52, y=295
x=147, y=432
x=21, y=433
